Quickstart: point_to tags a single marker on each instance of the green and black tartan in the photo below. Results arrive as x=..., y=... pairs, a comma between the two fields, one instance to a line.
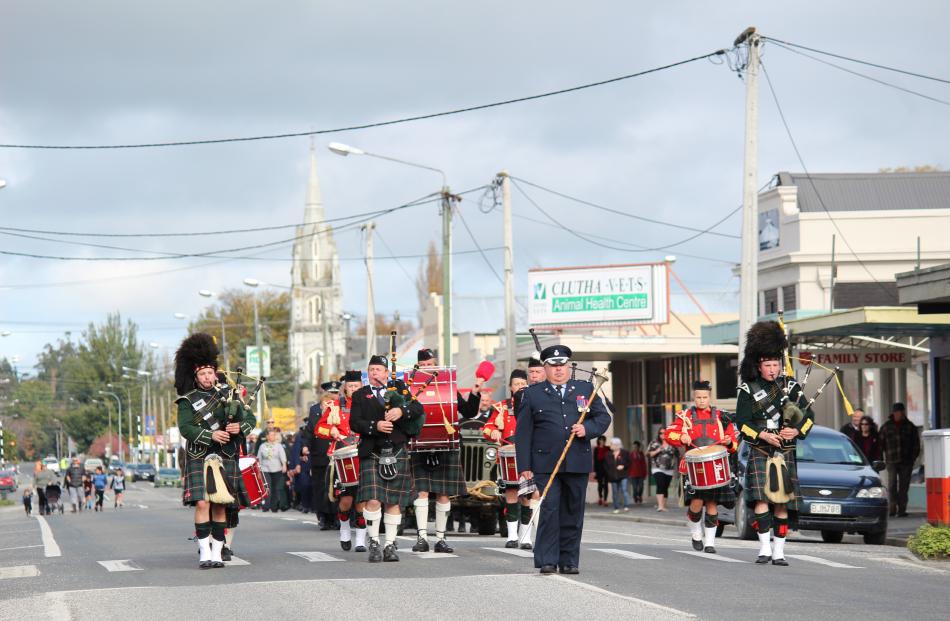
x=194, y=484
x=373, y=487
x=446, y=478
x=755, y=476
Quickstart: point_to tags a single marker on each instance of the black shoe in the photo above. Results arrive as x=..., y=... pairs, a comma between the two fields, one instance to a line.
x=326, y=526
x=217, y=564
x=226, y=553
x=780, y=561
x=526, y=546
x=421, y=545
x=570, y=569
x=763, y=560
x=902, y=514
x=346, y=545
x=359, y=549
x=389, y=554
x=697, y=544
x=443, y=548
x=204, y=565
x=511, y=544
x=548, y=569
x=375, y=555
x=709, y=550
x=461, y=528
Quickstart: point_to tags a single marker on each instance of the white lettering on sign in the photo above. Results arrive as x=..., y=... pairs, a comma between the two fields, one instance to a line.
x=858, y=358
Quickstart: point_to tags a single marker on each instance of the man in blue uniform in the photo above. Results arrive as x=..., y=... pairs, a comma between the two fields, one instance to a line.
x=547, y=416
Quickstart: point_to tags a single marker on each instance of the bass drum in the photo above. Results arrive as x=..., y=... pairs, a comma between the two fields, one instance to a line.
x=440, y=402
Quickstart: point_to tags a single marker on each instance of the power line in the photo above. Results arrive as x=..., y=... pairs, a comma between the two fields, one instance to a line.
x=182, y=143
x=867, y=77
x=856, y=60
x=811, y=181
x=627, y=214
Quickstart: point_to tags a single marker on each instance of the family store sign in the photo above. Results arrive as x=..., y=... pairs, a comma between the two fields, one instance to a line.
x=858, y=358
x=614, y=294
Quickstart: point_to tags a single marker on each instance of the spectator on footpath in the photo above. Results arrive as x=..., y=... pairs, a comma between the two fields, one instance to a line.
x=117, y=485
x=99, y=480
x=273, y=461
x=664, y=460
x=74, y=485
x=867, y=440
x=41, y=478
x=637, y=472
x=28, y=500
x=303, y=484
x=901, y=447
x=87, y=489
x=600, y=472
x=853, y=427
x=616, y=464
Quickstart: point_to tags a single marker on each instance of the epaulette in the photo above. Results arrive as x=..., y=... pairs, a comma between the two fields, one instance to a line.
x=745, y=387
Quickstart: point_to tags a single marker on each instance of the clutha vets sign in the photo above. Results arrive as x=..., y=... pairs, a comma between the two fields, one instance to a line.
x=609, y=295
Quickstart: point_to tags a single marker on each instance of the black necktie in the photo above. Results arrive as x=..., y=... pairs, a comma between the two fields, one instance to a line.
x=379, y=393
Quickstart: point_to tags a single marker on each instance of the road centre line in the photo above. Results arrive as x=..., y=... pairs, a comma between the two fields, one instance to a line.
x=712, y=557
x=50, y=547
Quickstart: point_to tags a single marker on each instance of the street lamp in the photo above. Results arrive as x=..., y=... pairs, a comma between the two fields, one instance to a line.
x=205, y=293
x=146, y=389
x=119, y=418
x=447, y=199
x=128, y=399
x=254, y=283
x=109, y=412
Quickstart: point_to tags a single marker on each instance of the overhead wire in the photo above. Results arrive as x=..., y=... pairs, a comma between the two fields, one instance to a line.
x=791, y=138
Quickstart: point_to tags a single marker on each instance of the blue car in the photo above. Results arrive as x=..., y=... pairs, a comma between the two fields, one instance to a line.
x=841, y=491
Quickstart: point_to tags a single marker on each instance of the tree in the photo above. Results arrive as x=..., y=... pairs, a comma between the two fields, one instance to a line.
x=385, y=325
x=429, y=278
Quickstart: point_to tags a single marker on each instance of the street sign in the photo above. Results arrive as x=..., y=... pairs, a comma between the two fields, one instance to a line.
x=150, y=424
x=254, y=361
x=599, y=295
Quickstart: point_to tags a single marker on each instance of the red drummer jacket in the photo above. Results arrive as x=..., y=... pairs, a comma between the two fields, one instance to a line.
x=323, y=427
x=696, y=424
x=503, y=421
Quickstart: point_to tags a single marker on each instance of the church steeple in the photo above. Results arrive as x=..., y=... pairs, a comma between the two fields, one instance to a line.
x=313, y=210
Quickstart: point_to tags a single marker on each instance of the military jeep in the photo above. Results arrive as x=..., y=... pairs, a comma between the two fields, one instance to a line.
x=483, y=507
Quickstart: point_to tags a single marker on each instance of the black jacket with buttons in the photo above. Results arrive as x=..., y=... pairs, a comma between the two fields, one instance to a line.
x=544, y=425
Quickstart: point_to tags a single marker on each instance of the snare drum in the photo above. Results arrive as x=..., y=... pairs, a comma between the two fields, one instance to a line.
x=708, y=467
x=508, y=465
x=346, y=463
x=253, y=480
x=440, y=402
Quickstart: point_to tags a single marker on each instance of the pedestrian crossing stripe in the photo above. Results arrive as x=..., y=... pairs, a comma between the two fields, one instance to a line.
x=626, y=554
x=433, y=555
x=120, y=565
x=235, y=562
x=712, y=557
x=19, y=571
x=513, y=552
x=316, y=557
x=821, y=561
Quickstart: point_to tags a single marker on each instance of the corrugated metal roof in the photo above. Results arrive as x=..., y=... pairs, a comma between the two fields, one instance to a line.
x=870, y=191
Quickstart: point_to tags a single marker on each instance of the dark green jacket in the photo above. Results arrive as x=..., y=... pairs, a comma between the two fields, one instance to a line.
x=759, y=401
x=198, y=432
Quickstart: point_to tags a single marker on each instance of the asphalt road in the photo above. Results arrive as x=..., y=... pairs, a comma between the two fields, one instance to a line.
x=138, y=563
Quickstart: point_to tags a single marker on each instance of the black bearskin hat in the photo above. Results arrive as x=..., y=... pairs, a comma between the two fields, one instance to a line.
x=765, y=340
x=198, y=350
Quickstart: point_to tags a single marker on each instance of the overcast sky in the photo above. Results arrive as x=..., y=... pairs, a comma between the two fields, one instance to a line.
x=667, y=146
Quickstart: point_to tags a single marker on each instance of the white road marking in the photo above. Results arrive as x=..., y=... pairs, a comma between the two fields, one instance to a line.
x=142, y=506
x=626, y=554
x=311, y=522
x=39, y=545
x=122, y=565
x=601, y=591
x=613, y=532
x=513, y=552
x=909, y=564
x=821, y=561
x=433, y=555
x=289, y=519
x=712, y=557
x=316, y=557
x=20, y=571
x=50, y=547
x=235, y=562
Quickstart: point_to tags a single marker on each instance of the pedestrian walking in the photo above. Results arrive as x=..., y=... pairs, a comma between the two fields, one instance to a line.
x=600, y=473
x=637, y=472
x=99, y=480
x=117, y=485
x=616, y=464
x=901, y=447
x=87, y=489
x=868, y=439
x=303, y=485
x=852, y=428
x=663, y=461
x=273, y=461
x=28, y=500
x=75, y=485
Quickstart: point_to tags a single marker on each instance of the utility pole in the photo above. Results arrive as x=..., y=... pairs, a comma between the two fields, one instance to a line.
x=370, y=302
x=510, y=335
x=749, y=288
x=446, y=354
x=260, y=351
x=834, y=270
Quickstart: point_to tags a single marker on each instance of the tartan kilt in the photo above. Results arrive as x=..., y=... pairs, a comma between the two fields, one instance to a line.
x=194, y=484
x=755, y=477
x=724, y=495
x=373, y=487
x=446, y=478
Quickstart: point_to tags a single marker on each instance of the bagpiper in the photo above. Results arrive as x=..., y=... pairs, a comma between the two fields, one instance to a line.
x=772, y=416
x=698, y=426
x=213, y=421
x=334, y=426
x=501, y=429
x=384, y=462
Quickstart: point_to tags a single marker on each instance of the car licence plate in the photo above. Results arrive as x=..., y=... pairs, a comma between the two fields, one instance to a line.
x=825, y=508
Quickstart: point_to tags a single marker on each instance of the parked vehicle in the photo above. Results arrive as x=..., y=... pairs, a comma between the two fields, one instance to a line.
x=51, y=463
x=142, y=472
x=168, y=477
x=115, y=464
x=92, y=463
x=841, y=492
x=8, y=481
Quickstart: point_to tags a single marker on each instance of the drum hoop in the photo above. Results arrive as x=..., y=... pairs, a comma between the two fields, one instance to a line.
x=705, y=453
x=346, y=452
x=507, y=450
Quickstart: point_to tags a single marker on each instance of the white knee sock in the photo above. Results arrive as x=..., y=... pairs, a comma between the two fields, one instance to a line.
x=709, y=540
x=392, y=522
x=778, y=548
x=345, y=532
x=441, y=517
x=513, y=530
x=360, y=537
x=372, y=523
x=695, y=528
x=765, y=545
x=204, y=549
x=421, y=506
x=216, y=546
